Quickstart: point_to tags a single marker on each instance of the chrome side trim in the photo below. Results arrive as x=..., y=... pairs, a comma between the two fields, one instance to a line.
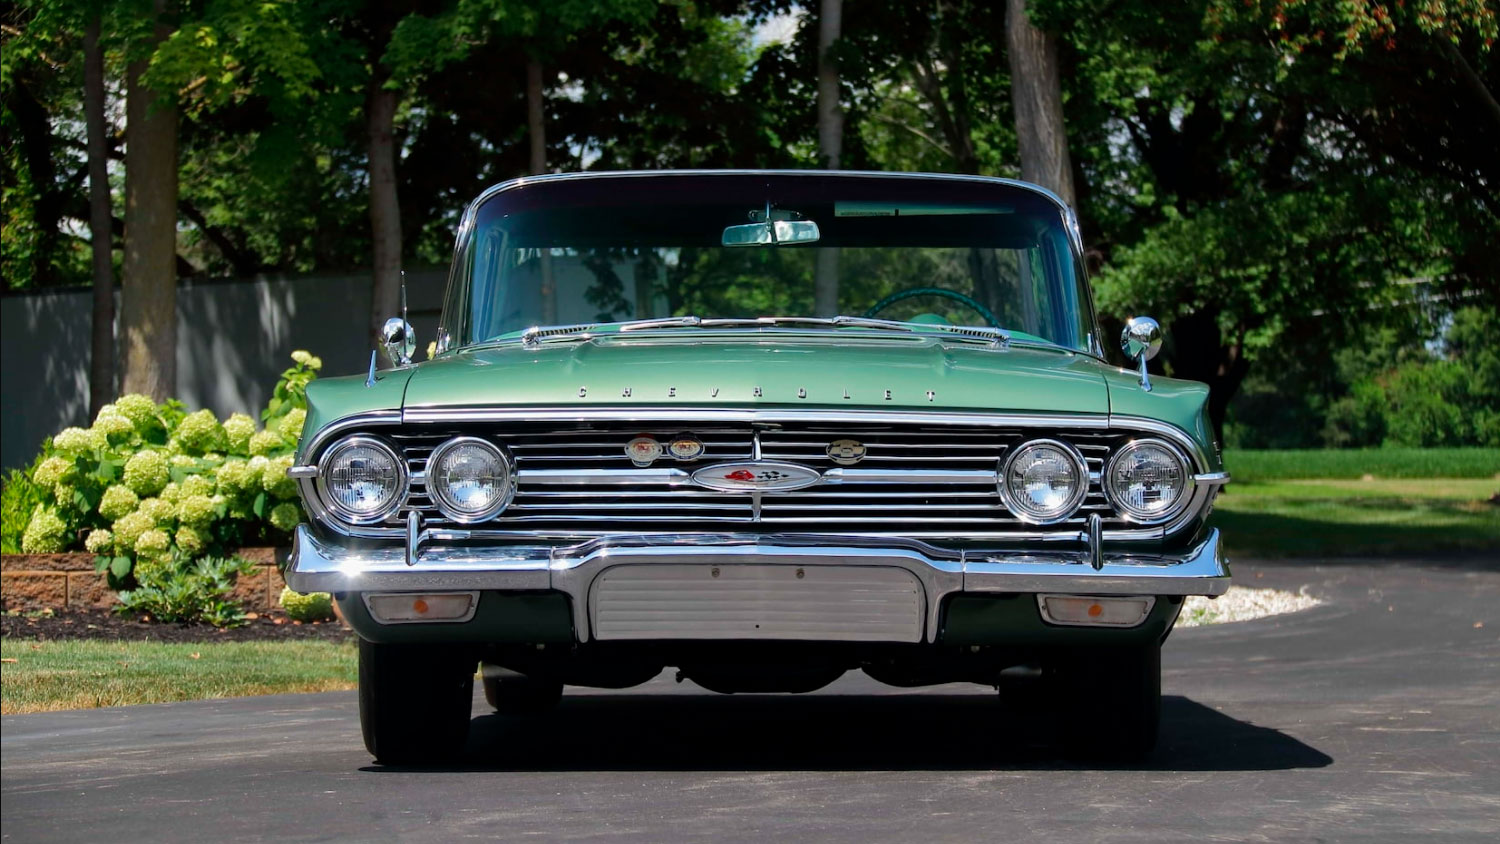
x=620, y=477
x=321, y=566
x=908, y=476
x=1156, y=426
x=344, y=423
x=1213, y=478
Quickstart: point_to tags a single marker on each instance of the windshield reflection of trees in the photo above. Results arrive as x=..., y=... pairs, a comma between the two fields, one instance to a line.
x=647, y=282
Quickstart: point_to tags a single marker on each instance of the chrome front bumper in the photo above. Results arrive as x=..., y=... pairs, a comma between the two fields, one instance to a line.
x=319, y=566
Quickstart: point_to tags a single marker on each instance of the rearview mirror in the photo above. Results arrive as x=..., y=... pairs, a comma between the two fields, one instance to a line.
x=775, y=233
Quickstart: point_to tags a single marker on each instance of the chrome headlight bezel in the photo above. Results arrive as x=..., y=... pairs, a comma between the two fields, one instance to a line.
x=1074, y=501
x=439, y=495
x=330, y=504
x=1123, y=510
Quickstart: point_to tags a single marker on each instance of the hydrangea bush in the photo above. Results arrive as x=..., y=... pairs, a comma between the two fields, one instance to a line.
x=151, y=488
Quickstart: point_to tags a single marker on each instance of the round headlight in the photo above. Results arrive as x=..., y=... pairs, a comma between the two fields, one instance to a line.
x=362, y=479
x=1148, y=481
x=469, y=479
x=1044, y=481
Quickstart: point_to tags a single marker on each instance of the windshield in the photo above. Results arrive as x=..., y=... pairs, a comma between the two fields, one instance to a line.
x=614, y=249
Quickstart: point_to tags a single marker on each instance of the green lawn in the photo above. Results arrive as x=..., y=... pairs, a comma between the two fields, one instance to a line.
x=86, y=674
x=1422, y=516
x=1355, y=463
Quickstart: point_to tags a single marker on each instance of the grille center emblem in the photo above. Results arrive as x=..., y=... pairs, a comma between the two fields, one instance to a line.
x=756, y=476
x=846, y=452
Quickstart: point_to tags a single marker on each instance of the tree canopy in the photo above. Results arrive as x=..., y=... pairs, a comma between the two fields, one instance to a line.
x=1291, y=186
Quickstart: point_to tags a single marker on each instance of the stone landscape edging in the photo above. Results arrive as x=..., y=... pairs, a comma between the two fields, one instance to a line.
x=31, y=582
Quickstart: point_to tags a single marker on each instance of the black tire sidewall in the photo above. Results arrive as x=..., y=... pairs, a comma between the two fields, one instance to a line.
x=414, y=702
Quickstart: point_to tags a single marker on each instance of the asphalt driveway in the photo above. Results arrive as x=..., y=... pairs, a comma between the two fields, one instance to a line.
x=1375, y=716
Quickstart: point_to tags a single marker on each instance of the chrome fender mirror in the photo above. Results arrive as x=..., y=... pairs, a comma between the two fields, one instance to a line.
x=398, y=340
x=1141, y=341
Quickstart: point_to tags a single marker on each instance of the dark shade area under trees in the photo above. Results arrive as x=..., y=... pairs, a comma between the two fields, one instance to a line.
x=1305, y=192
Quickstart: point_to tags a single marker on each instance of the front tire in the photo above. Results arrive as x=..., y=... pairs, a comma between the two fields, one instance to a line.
x=1111, y=702
x=414, y=702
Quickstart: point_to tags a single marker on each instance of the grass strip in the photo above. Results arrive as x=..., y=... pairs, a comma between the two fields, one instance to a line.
x=1355, y=463
x=1333, y=518
x=85, y=674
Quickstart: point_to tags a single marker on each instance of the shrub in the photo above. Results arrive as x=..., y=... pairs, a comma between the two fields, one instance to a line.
x=46, y=533
x=19, y=498
x=118, y=502
x=197, y=593
x=151, y=488
x=200, y=432
x=314, y=606
x=146, y=472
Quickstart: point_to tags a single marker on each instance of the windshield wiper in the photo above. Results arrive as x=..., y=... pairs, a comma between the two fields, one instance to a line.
x=993, y=336
x=536, y=335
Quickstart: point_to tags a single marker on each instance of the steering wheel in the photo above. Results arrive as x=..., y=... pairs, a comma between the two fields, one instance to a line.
x=933, y=291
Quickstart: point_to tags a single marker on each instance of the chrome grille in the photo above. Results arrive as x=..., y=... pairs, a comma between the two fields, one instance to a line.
x=934, y=482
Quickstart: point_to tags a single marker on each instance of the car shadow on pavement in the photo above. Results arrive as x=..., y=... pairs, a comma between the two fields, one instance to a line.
x=933, y=731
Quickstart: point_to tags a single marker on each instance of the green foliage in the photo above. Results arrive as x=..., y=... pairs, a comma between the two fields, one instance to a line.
x=314, y=606
x=19, y=498
x=290, y=394
x=1352, y=28
x=196, y=593
x=150, y=488
x=1268, y=465
x=1450, y=397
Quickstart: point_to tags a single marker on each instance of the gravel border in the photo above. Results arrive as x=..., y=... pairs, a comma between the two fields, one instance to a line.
x=1242, y=603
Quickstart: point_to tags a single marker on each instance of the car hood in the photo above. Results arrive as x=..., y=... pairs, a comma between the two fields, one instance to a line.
x=823, y=372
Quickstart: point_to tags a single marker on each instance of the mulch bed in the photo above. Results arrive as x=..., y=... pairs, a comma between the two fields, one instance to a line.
x=103, y=624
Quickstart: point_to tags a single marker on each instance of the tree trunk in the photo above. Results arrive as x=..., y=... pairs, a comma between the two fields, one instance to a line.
x=536, y=130
x=830, y=146
x=1199, y=351
x=102, y=356
x=148, y=296
x=536, y=127
x=385, y=213
x=1036, y=91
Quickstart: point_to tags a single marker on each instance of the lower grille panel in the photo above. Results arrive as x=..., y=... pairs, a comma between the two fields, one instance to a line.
x=821, y=603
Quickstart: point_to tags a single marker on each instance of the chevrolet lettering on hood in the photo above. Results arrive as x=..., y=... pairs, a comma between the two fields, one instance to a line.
x=660, y=429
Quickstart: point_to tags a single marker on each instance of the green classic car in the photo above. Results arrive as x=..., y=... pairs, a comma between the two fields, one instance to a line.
x=765, y=428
